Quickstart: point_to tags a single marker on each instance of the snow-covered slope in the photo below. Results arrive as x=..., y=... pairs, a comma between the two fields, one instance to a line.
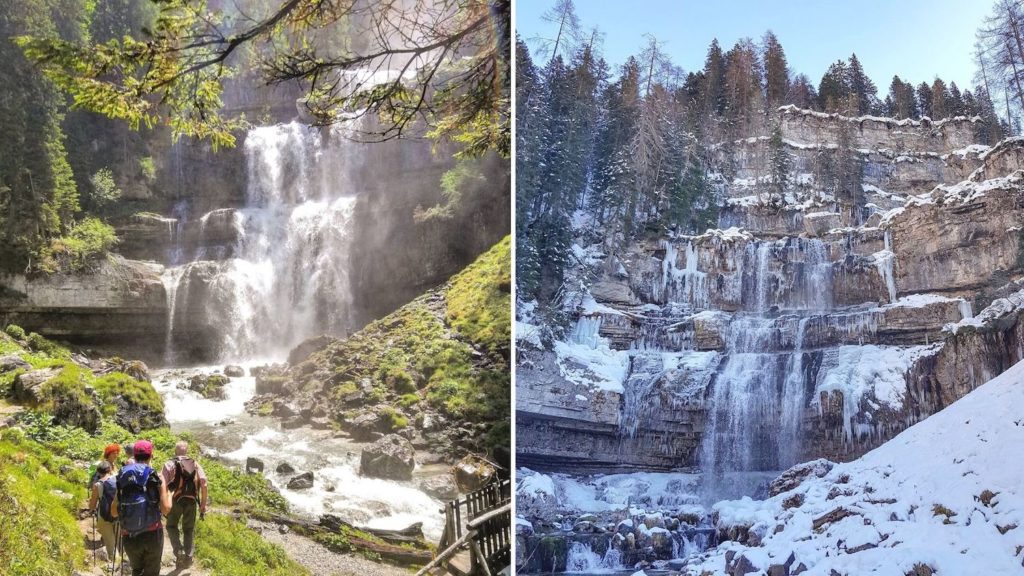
x=945, y=497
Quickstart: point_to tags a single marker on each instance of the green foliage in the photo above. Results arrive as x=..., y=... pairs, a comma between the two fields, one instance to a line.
x=395, y=420
x=135, y=392
x=79, y=249
x=148, y=168
x=343, y=542
x=40, y=535
x=15, y=331
x=466, y=178
x=227, y=547
x=49, y=348
x=104, y=189
x=229, y=487
x=68, y=441
x=407, y=400
x=479, y=303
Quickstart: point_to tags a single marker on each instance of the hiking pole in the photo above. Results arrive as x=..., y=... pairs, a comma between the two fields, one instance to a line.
x=94, y=537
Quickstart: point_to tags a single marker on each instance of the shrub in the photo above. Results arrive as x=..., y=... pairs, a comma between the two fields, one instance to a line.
x=84, y=244
x=104, y=189
x=38, y=343
x=15, y=331
x=148, y=168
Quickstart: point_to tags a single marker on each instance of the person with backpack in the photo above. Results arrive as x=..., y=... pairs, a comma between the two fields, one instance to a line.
x=140, y=500
x=186, y=482
x=110, y=454
x=100, y=498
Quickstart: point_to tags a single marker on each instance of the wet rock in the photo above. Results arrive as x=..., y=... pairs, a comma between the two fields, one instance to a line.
x=472, y=473
x=292, y=423
x=209, y=386
x=368, y=426
x=254, y=465
x=285, y=468
x=390, y=457
x=234, y=371
x=440, y=487
x=301, y=352
x=303, y=481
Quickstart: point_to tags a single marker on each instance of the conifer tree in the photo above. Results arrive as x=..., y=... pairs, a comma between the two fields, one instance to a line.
x=776, y=71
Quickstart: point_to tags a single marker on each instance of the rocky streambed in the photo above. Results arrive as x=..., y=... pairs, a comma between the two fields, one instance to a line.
x=387, y=483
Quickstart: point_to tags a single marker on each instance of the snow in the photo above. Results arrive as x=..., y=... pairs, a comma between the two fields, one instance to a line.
x=918, y=301
x=535, y=484
x=528, y=333
x=967, y=190
x=877, y=372
x=596, y=366
x=998, y=308
x=612, y=492
x=946, y=493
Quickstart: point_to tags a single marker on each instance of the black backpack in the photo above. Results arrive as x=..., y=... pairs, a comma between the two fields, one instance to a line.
x=184, y=483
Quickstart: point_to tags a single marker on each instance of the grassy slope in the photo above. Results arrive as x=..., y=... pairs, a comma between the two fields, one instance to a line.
x=44, y=468
x=448, y=349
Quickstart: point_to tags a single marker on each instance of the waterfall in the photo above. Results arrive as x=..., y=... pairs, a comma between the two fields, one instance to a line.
x=757, y=399
x=288, y=274
x=884, y=260
x=171, y=278
x=581, y=558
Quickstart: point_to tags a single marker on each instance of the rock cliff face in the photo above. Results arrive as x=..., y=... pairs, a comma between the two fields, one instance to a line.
x=815, y=327
x=200, y=256
x=122, y=302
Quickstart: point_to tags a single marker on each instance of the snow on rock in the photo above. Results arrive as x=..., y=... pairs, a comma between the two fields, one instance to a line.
x=947, y=493
x=998, y=308
x=596, y=366
x=877, y=372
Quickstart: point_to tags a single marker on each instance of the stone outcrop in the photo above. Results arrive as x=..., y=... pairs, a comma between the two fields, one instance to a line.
x=121, y=305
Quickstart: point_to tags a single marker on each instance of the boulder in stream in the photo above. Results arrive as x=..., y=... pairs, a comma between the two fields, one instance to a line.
x=390, y=457
x=234, y=371
x=303, y=481
x=254, y=465
x=209, y=386
x=285, y=468
x=440, y=487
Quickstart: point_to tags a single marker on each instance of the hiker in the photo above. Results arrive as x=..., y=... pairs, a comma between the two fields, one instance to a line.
x=140, y=499
x=186, y=482
x=100, y=498
x=129, y=452
x=110, y=454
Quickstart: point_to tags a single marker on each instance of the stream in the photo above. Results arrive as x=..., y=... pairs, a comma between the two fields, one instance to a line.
x=226, y=431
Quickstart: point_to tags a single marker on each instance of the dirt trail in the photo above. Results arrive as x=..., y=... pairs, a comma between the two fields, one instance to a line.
x=101, y=568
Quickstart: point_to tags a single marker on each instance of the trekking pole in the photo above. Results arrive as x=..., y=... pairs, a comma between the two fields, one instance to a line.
x=94, y=537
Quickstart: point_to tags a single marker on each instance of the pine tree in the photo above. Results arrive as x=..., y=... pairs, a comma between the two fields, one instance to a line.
x=956, y=101
x=924, y=99
x=745, y=101
x=780, y=166
x=862, y=88
x=834, y=88
x=713, y=97
x=802, y=93
x=776, y=71
x=940, y=100
x=900, y=100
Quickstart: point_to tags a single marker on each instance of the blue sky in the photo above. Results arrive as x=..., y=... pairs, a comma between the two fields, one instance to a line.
x=917, y=39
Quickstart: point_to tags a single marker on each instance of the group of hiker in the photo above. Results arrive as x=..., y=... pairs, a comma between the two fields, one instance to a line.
x=128, y=505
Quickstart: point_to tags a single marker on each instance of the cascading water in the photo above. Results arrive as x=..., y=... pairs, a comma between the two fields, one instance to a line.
x=759, y=394
x=288, y=278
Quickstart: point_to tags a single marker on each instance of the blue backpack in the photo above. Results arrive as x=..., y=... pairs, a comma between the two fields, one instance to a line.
x=107, y=490
x=138, y=499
